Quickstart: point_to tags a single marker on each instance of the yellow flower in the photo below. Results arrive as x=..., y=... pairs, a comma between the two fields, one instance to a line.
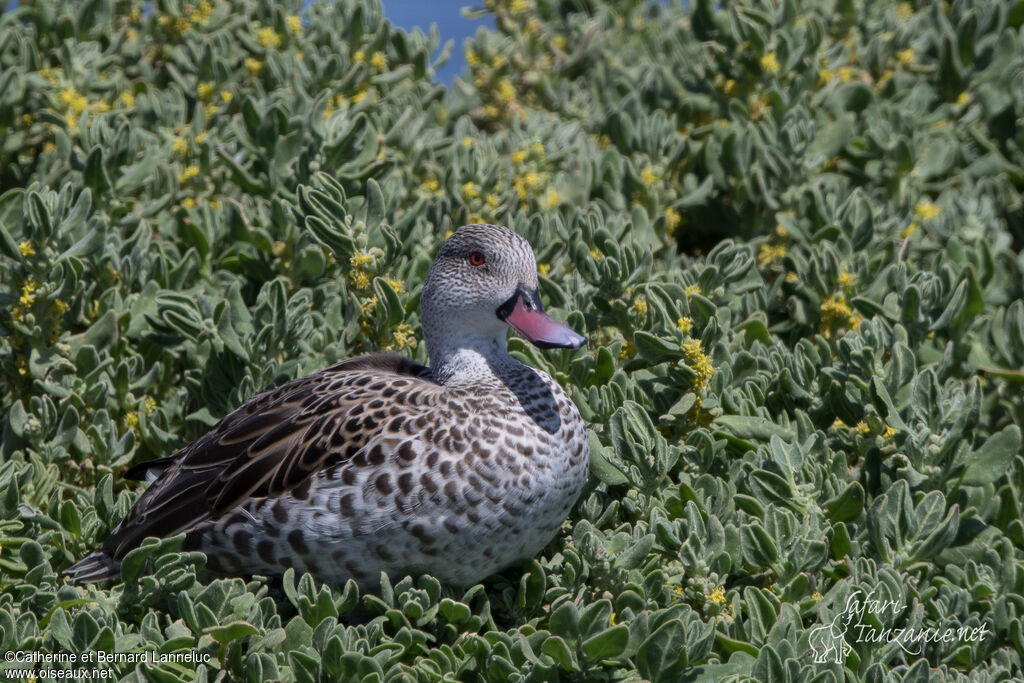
x=672, y=219
x=926, y=210
x=367, y=305
x=834, y=307
x=360, y=95
x=520, y=186
x=685, y=324
x=102, y=107
x=518, y=156
x=467, y=141
x=544, y=268
x=770, y=62
x=469, y=191
x=816, y=595
x=28, y=288
x=294, y=23
x=76, y=102
x=403, y=336
x=225, y=96
x=862, y=428
x=693, y=289
x=963, y=99
x=188, y=174
x=640, y=307
x=360, y=279
x=201, y=138
x=472, y=58
x=150, y=403
x=131, y=420
x=904, y=10
x=188, y=203
x=432, y=185
x=179, y=146
x=205, y=11
x=60, y=307
x=552, y=198
x=268, y=37
x=909, y=230
x=360, y=259
x=792, y=277
x=838, y=424
x=648, y=177
x=700, y=363
x=26, y=249
x=358, y=57
x=906, y=57
x=717, y=596
x=209, y=110
x=769, y=253
x=379, y=61
x=845, y=74
x=396, y=285
x=845, y=279
x=628, y=350
x=890, y=432
x=506, y=92
x=519, y=6
x=824, y=76
x=596, y=254
x=253, y=66
x=729, y=87
x=204, y=90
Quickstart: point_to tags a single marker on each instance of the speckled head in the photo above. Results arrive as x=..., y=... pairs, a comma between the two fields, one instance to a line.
x=483, y=278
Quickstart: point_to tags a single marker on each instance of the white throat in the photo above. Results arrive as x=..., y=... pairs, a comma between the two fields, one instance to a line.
x=468, y=358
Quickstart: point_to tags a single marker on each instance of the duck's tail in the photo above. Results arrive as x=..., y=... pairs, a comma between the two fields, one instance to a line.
x=95, y=567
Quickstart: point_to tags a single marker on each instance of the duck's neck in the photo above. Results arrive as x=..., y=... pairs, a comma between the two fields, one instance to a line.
x=468, y=359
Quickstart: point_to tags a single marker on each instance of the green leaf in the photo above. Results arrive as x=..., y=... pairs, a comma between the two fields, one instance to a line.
x=232, y=631
x=662, y=656
x=607, y=644
x=992, y=460
x=601, y=467
x=10, y=218
x=752, y=427
x=556, y=648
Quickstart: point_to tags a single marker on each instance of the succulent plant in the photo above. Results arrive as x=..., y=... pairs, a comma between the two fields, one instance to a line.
x=792, y=232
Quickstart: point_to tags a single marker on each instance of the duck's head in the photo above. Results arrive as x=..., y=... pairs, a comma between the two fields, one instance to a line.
x=484, y=278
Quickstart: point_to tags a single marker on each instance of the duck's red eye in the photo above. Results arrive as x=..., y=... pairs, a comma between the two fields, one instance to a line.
x=476, y=258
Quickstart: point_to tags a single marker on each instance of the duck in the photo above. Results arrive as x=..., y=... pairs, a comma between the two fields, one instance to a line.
x=380, y=464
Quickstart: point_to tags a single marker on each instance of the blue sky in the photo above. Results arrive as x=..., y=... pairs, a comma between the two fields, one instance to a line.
x=447, y=14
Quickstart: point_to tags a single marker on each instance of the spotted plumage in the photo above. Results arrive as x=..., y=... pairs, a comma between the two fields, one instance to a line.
x=381, y=464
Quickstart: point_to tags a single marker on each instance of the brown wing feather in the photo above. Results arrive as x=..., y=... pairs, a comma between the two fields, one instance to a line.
x=269, y=446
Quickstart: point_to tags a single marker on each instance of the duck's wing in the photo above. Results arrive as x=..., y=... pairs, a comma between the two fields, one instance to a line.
x=271, y=445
